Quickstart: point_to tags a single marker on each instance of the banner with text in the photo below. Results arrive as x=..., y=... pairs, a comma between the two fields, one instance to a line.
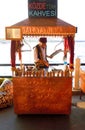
x=42, y=8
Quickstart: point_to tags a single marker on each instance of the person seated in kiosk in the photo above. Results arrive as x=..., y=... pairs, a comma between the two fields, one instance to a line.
x=40, y=54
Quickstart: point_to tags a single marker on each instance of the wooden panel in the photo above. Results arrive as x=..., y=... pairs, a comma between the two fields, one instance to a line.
x=46, y=26
x=47, y=95
x=82, y=80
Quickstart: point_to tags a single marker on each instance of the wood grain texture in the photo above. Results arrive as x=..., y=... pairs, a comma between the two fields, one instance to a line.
x=47, y=95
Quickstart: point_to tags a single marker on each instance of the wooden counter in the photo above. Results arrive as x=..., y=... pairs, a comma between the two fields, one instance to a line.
x=42, y=95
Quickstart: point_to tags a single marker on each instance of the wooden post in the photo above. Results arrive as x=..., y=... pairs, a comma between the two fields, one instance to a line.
x=76, y=76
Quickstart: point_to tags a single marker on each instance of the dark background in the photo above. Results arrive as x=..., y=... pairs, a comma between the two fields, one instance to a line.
x=51, y=6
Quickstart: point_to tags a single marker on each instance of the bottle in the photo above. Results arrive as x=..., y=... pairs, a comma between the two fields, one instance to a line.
x=65, y=65
x=65, y=62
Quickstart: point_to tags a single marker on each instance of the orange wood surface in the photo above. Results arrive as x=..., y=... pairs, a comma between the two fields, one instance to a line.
x=47, y=95
x=82, y=80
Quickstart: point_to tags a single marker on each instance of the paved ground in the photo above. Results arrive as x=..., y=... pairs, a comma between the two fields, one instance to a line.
x=75, y=121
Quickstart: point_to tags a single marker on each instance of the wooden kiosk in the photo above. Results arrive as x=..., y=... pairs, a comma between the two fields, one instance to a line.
x=35, y=93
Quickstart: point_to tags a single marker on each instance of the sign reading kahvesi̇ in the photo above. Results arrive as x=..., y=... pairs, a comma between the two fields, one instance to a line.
x=42, y=8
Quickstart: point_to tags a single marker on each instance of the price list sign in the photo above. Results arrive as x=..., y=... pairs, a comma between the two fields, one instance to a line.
x=42, y=8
